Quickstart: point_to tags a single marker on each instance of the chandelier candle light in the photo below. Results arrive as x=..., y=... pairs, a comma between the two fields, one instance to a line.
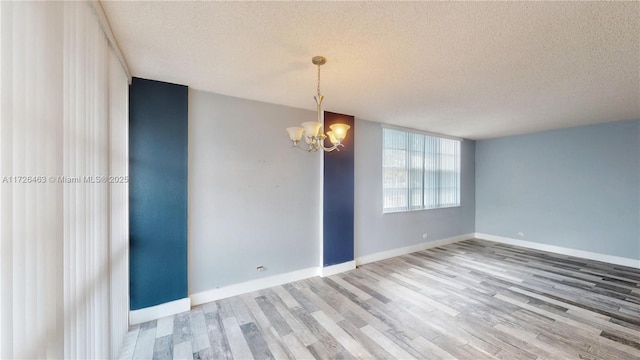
x=313, y=131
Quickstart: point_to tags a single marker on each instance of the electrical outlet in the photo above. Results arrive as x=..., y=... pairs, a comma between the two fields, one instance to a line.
x=521, y=234
x=425, y=235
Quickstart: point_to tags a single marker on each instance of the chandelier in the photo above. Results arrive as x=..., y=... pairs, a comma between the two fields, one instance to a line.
x=313, y=130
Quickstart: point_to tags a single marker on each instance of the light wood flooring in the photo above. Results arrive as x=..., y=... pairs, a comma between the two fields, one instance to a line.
x=469, y=300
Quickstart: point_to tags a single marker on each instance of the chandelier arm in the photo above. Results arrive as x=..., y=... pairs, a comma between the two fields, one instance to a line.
x=309, y=149
x=313, y=146
x=334, y=147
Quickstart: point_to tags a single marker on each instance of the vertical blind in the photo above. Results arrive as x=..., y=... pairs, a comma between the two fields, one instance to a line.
x=119, y=202
x=63, y=195
x=419, y=171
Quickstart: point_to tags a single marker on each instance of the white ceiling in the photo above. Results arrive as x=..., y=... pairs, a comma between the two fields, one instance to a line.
x=471, y=69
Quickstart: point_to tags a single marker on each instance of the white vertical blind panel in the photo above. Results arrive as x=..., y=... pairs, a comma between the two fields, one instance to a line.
x=30, y=214
x=458, y=174
x=6, y=193
x=86, y=155
x=416, y=170
x=19, y=159
x=395, y=170
x=431, y=172
x=6, y=198
x=101, y=250
x=54, y=215
x=30, y=136
x=70, y=206
x=119, y=202
x=57, y=80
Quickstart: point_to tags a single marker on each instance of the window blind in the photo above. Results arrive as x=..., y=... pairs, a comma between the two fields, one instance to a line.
x=63, y=245
x=419, y=171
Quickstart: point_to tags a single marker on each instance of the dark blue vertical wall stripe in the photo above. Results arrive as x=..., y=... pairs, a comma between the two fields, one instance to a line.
x=338, y=196
x=158, y=192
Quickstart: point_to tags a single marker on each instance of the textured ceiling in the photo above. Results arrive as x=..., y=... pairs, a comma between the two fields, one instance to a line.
x=471, y=69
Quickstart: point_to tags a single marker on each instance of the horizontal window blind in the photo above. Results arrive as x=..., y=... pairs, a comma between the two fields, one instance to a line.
x=419, y=171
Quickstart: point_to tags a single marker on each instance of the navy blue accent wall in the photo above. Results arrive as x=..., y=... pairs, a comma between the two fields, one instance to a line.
x=157, y=192
x=338, y=196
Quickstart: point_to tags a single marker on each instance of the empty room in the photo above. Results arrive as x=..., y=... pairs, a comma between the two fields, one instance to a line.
x=319, y=180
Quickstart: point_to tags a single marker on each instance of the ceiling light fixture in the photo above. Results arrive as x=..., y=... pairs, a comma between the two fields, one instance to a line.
x=314, y=130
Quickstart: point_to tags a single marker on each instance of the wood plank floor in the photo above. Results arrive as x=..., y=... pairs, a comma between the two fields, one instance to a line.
x=469, y=300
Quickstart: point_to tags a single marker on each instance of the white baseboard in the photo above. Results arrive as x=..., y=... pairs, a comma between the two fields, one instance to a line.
x=617, y=260
x=178, y=306
x=337, y=268
x=410, y=249
x=182, y=305
x=159, y=311
x=252, y=285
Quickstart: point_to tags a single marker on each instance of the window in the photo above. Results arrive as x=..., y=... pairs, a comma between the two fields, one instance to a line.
x=419, y=171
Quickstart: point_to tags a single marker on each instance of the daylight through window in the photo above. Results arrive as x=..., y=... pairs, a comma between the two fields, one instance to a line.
x=419, y=171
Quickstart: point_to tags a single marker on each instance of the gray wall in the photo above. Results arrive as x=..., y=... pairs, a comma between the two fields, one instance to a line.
x=252, y=199
x=255, y=201
x=375, y=231
x=577, y=188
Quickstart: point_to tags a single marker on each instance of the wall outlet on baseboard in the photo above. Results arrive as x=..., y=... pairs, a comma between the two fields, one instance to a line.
x=521, y=234
x=425, y=235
